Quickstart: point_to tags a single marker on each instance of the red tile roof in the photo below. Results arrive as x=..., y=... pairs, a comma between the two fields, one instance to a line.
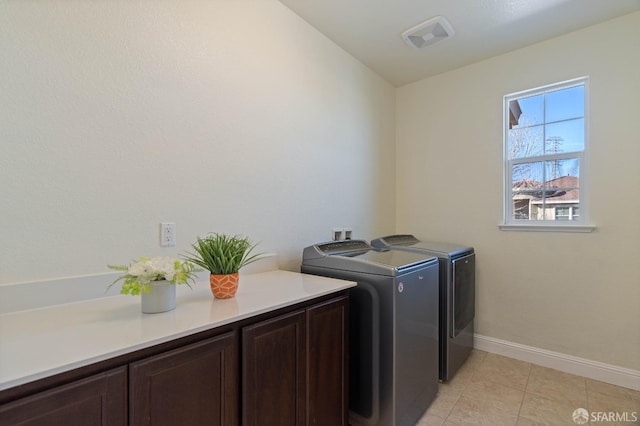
x=566, y=188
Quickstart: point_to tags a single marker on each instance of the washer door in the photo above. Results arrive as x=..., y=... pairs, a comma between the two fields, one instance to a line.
x=464, y=293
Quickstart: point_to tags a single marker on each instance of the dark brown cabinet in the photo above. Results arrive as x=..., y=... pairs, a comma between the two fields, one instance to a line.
x=192, y=385
x=327, y=392
x=96, y=400
x=286, y=367
x=295, y=366
x=273, y=371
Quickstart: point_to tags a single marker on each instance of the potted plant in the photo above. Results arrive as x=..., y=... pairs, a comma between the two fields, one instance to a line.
x=155, y=279
x=223, y=256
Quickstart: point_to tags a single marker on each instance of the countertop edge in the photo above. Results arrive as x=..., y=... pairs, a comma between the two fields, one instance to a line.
x=322, y=286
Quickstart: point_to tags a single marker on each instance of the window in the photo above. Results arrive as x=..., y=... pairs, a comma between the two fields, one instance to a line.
x=563, y=213
x=544, y=150
x=567, y=213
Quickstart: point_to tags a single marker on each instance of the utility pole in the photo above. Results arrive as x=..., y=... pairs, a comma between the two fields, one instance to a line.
x=554, y=146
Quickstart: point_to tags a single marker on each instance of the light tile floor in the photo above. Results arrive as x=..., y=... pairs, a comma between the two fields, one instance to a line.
x=495, y=390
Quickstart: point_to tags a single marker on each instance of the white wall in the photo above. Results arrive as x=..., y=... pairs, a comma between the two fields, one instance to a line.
x=577, y=294
x=228, y=116
x=238, y=117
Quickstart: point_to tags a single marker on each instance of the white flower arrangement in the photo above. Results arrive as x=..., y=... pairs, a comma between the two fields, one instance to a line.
x=140, y=274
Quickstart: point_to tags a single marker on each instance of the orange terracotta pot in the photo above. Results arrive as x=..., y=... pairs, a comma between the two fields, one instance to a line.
x=224, y=286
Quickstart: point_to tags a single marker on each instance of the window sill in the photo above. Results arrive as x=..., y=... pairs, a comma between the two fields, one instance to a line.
x=547, y=228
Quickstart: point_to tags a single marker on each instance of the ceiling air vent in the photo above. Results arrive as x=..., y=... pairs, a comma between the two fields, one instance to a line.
x=428, y=32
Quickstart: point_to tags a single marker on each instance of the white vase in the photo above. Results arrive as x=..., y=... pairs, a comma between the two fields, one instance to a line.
x=161, y=298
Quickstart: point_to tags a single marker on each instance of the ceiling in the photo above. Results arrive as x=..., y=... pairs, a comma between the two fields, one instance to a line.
x=370, y=30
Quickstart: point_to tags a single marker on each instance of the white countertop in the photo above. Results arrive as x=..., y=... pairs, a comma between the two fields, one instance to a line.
x=38, y=343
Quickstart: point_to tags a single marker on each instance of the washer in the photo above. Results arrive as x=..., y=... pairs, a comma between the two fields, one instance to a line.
x=393, y=328
x=457, y=295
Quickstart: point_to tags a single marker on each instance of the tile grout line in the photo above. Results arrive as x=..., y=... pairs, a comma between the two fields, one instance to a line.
x=524, y=392
x=461, y=392
x=452, y=406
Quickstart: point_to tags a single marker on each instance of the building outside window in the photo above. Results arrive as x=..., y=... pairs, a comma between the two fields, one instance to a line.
x=544, y=151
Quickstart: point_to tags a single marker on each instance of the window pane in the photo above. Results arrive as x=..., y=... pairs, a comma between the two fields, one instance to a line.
x=526, y=186
x=532, y=111
x=540, y=188
x=566, y=136
x=564, y=104
x=562, y=188
x=526, y=142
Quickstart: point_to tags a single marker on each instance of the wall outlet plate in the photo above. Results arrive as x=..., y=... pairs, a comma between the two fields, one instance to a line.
x=167, y=234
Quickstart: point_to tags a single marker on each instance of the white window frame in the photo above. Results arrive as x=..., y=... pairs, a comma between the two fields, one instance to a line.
x=509, y=223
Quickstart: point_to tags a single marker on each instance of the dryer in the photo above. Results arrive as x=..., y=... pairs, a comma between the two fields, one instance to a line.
x=457, y=295
x=393, y=328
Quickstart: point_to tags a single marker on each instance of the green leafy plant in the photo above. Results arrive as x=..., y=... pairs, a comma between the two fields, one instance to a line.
x=141, y=273
x=222, y=254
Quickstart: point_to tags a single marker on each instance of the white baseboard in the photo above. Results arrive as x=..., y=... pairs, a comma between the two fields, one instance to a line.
x=608, y=373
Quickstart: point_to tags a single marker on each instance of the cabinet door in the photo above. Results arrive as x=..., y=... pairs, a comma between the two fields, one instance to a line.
x=192, y=385
x=328, y=398
x=273, y=373
x=96, y=400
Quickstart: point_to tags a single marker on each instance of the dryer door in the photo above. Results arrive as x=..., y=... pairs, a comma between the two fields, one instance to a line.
x=464, y=293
